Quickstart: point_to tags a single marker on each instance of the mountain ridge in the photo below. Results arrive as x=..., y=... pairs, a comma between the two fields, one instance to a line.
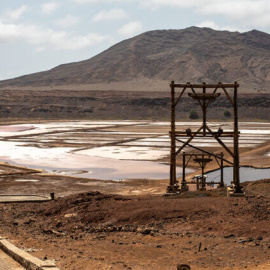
x=192, y=54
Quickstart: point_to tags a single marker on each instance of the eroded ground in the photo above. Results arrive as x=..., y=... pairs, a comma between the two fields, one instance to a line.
x=91, y=230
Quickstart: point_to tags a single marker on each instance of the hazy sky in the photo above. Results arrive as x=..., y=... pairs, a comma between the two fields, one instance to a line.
x=39, y=35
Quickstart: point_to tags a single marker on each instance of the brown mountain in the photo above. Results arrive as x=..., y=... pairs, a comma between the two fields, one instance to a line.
x=150, y=60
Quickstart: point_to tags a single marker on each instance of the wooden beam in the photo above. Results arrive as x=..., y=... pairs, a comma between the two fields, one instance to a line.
x=180, y=96
x=224, y=134
x=220, y=142
x=204, y=151
x=176, y=85
x=188, y=141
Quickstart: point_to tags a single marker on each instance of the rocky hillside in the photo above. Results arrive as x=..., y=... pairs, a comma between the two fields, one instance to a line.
x=76, y=104
x=193, y=54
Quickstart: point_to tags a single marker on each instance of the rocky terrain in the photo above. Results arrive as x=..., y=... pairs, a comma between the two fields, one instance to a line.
x=150, y=60
x=91, y=230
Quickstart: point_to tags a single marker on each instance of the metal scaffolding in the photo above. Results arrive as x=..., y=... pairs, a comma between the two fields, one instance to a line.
x=204, y=98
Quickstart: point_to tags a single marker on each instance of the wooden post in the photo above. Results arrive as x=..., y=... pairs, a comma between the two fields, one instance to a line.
x=236, y=163
x=203, y=179
x=204, y=111
x=183, y=184
x=221, y=171
x=173, y=157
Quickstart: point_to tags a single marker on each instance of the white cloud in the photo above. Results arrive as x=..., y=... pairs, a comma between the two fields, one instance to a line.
x=15, y=14
x=49, y=8
x=67, y=21
x=237, y=9
x=66, y=41
x=246, y=12
x=211, y=5
x=109, y=15
x=100, y=1
x=40, y=49
x=130, y=29
x=215, y=26
x=48, y=38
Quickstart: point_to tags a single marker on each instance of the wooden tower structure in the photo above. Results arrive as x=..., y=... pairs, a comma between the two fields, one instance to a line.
x=204, y=94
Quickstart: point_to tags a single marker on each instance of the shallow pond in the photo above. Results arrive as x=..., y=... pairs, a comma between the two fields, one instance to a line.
x=62, y=161
x=246, y=174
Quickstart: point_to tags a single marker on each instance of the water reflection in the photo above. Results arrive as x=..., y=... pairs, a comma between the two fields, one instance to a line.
x=246, y=174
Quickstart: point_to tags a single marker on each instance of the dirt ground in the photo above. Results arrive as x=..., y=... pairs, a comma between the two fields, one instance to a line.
x=92, y=230
x=96, y=224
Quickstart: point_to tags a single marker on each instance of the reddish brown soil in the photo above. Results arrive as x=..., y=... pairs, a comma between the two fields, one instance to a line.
x=92, y=230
